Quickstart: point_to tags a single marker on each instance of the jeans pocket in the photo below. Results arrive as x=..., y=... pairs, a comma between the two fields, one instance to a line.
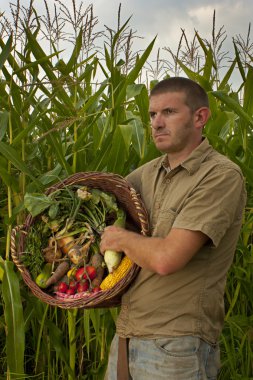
x=179, y=346
x=181, y=356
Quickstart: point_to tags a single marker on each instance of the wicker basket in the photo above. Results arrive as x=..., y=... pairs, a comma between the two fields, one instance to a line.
x=128, y=199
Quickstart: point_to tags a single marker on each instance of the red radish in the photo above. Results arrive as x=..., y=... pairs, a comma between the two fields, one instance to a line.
x=72, y=284
x=96, y=289
x=83, y=286
x=62, y=287
x=87, y=272
x=71, y=291
x=90, y=271
x=79, y=273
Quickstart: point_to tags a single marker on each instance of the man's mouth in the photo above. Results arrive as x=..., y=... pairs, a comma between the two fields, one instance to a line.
x=160, y=135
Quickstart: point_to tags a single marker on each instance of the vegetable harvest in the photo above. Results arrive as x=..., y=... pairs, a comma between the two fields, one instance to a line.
x=112, y=258
x=62, y=246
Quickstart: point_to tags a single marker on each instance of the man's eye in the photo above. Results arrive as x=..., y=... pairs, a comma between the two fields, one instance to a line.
x=152, y=115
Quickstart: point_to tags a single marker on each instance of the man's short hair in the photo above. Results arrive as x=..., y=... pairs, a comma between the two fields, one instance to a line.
x=195, y=96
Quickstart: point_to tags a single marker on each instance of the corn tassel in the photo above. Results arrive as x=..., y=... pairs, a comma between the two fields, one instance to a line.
x=113, y=278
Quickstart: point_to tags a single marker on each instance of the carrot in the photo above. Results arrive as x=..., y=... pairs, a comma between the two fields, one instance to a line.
x=99, y=278
x=97, y=261
x=60, y=271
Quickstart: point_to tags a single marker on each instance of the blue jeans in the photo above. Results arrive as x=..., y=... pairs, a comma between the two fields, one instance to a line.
x=174, y=358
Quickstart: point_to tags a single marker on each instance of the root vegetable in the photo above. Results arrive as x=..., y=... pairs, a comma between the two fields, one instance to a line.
x=70, y=291
x=86, y=273
x=97, y=260
x=90, y=272
x=99, y=278
x=62, y=287
x=66, y=243
x=78, y=253
x=60, y=271
x=82, y=286
x=52, y=252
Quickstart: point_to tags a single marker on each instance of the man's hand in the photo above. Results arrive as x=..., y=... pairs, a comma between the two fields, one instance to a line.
x=113, y=238
x=160, y=255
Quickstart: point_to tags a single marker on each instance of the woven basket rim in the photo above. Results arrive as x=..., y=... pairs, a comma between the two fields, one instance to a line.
x=134, y=206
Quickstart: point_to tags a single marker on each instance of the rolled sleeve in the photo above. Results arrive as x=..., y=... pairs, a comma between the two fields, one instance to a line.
x=213, y=206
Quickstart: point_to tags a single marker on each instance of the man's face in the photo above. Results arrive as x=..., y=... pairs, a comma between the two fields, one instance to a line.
x=172, y=122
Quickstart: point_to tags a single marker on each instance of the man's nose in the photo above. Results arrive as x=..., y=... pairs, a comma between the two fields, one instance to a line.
x=157, y=121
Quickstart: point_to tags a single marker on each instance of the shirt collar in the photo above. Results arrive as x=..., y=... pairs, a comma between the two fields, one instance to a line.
x=192, y=162
x=197, y=156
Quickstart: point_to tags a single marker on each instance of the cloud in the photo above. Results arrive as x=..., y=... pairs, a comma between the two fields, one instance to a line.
x=166, y=18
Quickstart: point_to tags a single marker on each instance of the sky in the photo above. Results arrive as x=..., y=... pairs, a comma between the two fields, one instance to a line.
x=166, y=18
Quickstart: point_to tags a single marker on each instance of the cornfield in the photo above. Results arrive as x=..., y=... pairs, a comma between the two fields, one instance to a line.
x=85, y=108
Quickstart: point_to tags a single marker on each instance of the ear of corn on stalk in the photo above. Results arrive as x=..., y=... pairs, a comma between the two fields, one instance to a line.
x=113, y=278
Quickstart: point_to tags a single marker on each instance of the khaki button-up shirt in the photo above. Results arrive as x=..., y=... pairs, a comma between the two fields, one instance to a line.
x=205, y=193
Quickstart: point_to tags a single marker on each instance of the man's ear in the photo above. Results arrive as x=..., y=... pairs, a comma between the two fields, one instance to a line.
x=201, y=116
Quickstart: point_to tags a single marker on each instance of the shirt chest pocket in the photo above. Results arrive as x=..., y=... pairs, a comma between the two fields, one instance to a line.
x=162, y=222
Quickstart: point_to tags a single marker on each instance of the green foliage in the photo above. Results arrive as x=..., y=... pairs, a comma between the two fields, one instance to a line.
x=89, y=112
x=14, y=320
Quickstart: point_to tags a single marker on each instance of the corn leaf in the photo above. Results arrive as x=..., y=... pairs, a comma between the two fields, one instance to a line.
x=13, y=312
x=4, y=117
x=234, y=105
x=227, y=76
x=132, y=76
x=142, y=101
x=30, y=65
x=207, y=69
x=248, y=93
x=204, y=82
x=239, y=63
x=120, y=148
x=12, y=155
x=5, y=52
x=138, y=135
x=12, y=62
x=48, y=68
x=73, y=59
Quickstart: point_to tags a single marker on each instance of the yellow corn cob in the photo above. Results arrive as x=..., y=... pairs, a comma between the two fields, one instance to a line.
x=114, y=277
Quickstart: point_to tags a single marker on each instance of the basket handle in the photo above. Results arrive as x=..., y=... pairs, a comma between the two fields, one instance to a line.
x=142, y=214
x=14, y=254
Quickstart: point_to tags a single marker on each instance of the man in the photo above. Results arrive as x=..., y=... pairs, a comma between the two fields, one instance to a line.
x=173, y=313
